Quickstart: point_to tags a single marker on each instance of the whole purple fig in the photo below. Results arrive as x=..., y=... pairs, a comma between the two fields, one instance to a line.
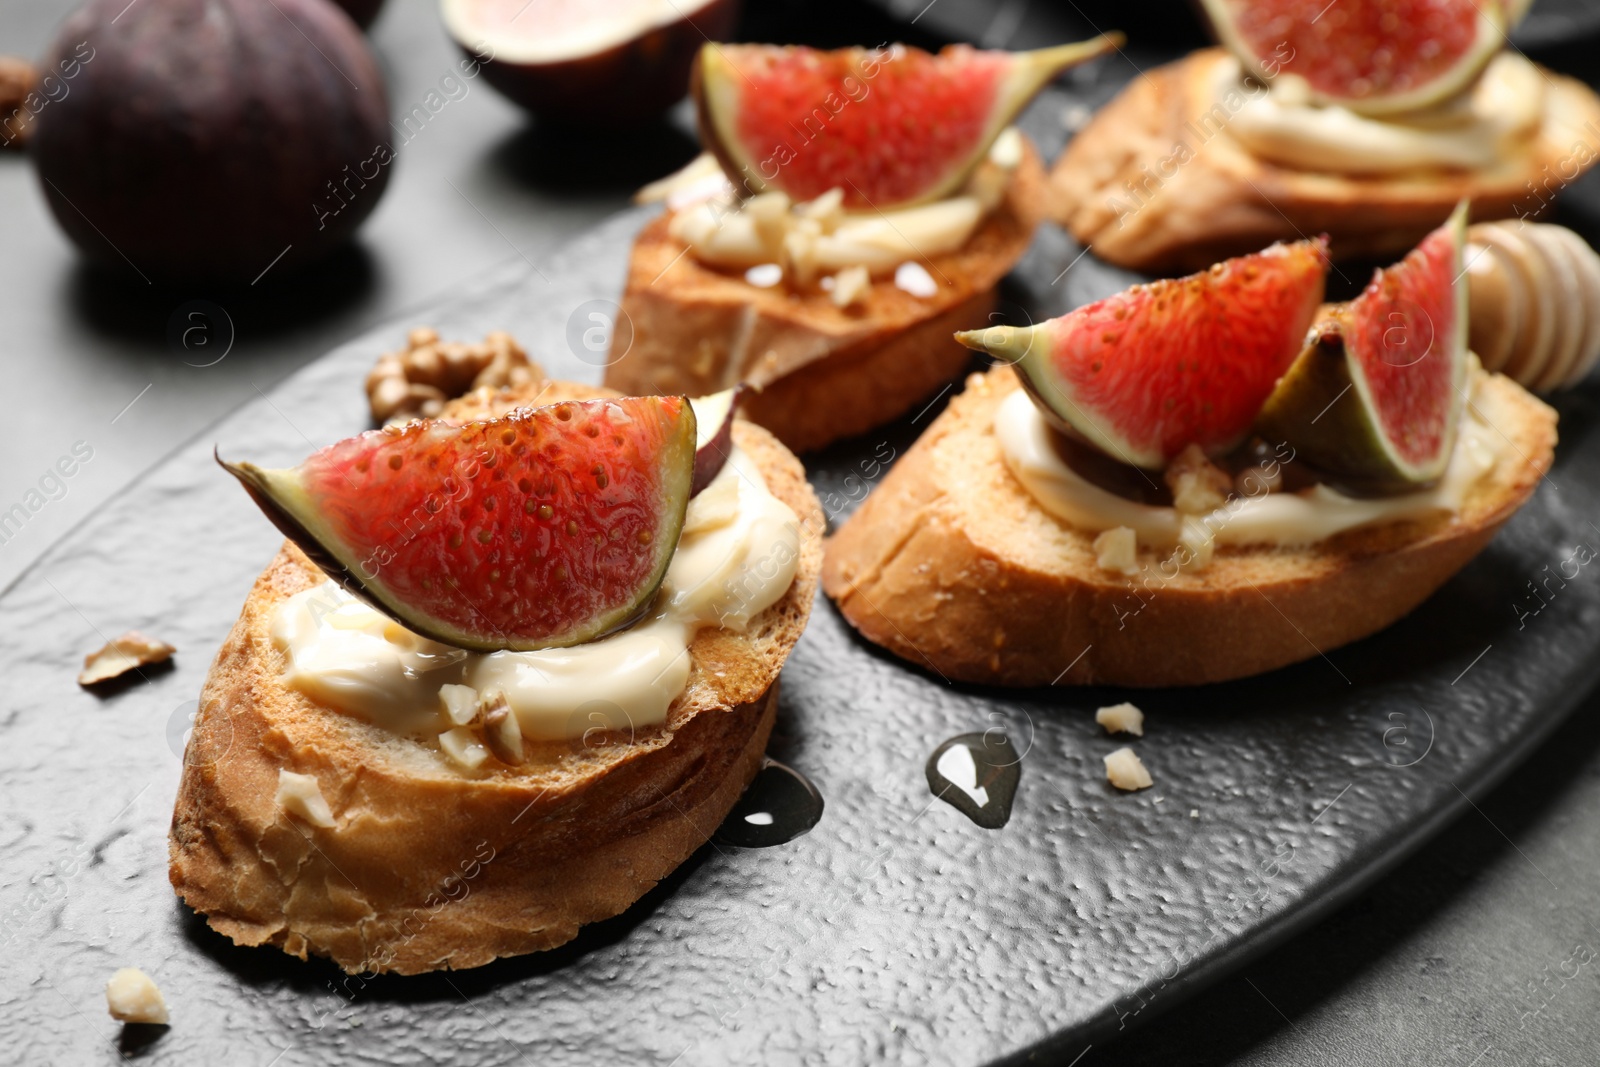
x=211, y=139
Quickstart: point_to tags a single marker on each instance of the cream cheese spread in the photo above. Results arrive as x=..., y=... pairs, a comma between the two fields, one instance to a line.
x=819, y=238
x=1284, y=518
x=738, y=555
x=1470, y=132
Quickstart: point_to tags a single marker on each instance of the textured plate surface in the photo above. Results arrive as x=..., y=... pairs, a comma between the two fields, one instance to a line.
x=896, y=931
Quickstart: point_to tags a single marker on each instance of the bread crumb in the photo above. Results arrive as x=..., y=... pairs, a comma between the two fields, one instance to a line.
x=301, y=796
x=132, y=997
x=1124, y=771
x=1198, y=486
x=1117, y=550
x=128, y=652
x=1194, y=813
x=1121, y=719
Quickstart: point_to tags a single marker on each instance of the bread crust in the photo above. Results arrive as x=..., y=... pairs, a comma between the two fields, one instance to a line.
x=825, y=373
x=430, y=867
x=949, y=563
x=1112, y=190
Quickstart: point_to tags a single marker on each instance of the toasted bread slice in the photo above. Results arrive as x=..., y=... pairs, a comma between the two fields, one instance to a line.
x=951, y=564
x=1126, y=188
x=824, y=372
x=430, y=867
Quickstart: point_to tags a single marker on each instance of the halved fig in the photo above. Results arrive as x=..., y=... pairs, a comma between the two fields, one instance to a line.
x=887, y=126
x=1145, y=373
x=610, y=63
x=1375, y=399
x=547, y=527
x=1376, y=56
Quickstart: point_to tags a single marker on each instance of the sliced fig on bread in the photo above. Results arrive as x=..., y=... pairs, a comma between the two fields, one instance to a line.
x=1375, y=398
x=1147, y=372
x=889, y=127
x=1381, y=57
x=546, y=527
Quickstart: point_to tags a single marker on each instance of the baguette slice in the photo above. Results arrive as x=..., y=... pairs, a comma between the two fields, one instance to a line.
x=1124, y=187
x=825, y=373
x=951, y=564
x=429, y=867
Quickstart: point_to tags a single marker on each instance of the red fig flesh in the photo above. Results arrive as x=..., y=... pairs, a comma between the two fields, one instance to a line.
x=546, y=527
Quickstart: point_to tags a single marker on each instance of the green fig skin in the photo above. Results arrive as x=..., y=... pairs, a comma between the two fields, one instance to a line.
x=1026, y=348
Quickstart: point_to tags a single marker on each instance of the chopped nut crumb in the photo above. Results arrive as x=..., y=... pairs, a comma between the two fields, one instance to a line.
x=1117, y=550
x=128, y=652
x=1121, y=719
x=1124, y=771
x=827, y=210
x=301, y=796
x=417, y=381
x=850, y=286
x=1196, y=544
x=1198, y=486
x=502, y=733
x=460, y=703
x=463, y=746
x=132, y=997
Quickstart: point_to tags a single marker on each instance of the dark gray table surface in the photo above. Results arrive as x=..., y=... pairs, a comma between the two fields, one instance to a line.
x=1484, y=948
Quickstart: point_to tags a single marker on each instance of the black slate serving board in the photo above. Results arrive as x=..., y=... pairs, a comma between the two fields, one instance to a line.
x=897, y=930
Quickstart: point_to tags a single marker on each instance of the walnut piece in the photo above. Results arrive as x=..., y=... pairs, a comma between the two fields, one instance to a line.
x=1198, y=486
x=17, y=79
x=502, y=733
x=132, y=997
x=128, y=652
x=416, y=381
